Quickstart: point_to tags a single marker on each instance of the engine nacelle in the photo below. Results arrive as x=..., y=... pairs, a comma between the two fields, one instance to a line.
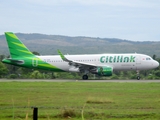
x=73, y=69
x=103, y=71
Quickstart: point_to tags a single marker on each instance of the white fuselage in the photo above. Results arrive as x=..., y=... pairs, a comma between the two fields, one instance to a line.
x=116, y=61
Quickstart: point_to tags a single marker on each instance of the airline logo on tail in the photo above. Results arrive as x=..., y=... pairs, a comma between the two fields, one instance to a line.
x=20, y=55
x=16, y=47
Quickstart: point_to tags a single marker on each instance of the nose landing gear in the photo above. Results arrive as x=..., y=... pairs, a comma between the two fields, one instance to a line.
x=138, y=77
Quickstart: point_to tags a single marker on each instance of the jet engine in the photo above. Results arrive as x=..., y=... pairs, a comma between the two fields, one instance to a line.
x=103, y=71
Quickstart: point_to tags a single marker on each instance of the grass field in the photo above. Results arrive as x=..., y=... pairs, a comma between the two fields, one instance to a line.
x=79, y=100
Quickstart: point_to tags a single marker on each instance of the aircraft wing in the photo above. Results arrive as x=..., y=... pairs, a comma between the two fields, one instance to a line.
x=80, y=65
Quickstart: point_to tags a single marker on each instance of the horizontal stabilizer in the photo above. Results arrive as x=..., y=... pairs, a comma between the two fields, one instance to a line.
x=13, y=61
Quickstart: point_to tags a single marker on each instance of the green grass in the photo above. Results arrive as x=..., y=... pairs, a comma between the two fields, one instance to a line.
x=79, y=100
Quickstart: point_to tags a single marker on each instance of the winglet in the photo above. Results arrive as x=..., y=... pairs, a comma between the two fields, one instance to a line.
x=62, y=56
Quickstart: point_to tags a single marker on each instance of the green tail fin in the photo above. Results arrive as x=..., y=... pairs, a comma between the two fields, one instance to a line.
x=16, y=47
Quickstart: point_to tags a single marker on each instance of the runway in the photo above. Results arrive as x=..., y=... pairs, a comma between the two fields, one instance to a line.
x=76, y=80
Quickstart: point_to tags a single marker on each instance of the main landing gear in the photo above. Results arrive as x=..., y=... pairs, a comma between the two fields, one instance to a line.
x=85, y=77
x=138, y=77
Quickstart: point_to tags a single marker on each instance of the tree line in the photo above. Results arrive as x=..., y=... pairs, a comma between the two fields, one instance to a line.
x=15, y=72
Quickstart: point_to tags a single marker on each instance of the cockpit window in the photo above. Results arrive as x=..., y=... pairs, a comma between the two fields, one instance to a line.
x=148, y=58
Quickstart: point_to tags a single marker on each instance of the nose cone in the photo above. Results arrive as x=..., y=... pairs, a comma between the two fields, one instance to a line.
x=156, y=64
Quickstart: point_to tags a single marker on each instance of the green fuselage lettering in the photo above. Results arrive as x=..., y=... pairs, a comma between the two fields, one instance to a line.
x=117, y=59
x=110, y=59
x=121, y=59
x=126, y=59
x=114, y=60
x=132, y=59
x=102, y=59
x=106, y=59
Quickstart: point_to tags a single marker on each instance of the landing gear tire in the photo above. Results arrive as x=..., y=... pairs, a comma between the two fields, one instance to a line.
x=138, y=77
x=85, y=77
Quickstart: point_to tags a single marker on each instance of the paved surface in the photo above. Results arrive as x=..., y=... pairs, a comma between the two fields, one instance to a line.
x=69, y=80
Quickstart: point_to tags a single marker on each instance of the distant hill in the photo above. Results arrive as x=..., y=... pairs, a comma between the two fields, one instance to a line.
x=48, y=44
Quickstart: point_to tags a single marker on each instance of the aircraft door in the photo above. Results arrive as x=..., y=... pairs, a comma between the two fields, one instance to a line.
x=138, y=61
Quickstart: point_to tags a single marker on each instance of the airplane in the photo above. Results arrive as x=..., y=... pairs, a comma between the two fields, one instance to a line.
x=100, y=64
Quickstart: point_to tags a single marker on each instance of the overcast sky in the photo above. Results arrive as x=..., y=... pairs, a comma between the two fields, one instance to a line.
x=137, y=20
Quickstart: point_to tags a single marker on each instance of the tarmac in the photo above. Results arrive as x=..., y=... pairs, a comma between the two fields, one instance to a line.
x=76, y=80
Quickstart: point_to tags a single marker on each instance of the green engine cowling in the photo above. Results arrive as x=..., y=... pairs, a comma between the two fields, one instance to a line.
x=105, y=71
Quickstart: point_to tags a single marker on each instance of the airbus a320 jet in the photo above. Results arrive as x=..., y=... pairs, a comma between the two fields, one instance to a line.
x=100, y=64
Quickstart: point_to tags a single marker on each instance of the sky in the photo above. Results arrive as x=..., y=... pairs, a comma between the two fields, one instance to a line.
x=136, y=20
